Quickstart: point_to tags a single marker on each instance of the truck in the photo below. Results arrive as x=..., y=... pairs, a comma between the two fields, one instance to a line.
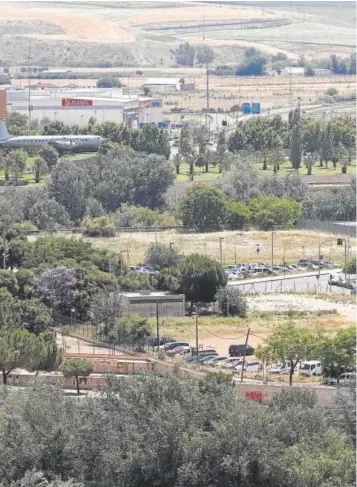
x=311, y=368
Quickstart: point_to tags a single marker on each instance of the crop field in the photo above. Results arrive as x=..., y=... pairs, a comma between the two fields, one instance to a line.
x=239, y=246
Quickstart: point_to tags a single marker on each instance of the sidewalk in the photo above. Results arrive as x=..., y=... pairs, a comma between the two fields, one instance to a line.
x=301, y=275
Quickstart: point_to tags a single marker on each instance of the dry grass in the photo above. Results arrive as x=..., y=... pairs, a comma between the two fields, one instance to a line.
x=297, y=244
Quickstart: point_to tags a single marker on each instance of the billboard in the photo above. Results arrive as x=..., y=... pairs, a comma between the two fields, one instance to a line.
x=255, y=107
x=76, y=102
x=246, y=108
x=145, y=104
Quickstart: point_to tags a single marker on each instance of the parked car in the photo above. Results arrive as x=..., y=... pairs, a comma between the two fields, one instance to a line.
x=279, y=369
x=336, y=280
x=250, y=367
x=216, y=361
x=203, y=360
x=179, y=351
x=345, y=379
x=231, y=363
x=238, y=350
x=176, y=344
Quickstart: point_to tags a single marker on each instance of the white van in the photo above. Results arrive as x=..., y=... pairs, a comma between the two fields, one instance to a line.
x=311, y=368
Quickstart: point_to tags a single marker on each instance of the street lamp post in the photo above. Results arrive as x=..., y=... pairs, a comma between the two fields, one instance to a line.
x=272, y=259
x=235, y=249
x=196, y=329
x=320, y=245
x=157, y=325
x=205, y=245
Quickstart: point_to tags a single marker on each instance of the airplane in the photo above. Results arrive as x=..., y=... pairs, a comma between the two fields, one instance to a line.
x=62, y=143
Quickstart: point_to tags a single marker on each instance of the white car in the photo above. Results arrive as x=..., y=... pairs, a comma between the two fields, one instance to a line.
x=249, y=367
x=216, y=361
x=279, y=369
x=231, y=362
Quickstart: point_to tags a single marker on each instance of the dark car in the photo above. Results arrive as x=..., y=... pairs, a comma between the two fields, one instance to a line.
x=238, y=350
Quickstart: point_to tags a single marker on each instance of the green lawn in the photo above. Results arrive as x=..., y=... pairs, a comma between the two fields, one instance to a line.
x=286, y=168
x=200, y=174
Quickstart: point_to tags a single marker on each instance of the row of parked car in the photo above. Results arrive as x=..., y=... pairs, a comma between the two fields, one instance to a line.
x=341, y=281
x=257, y=269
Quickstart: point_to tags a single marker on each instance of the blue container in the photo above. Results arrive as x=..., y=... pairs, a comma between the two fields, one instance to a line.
x=246, y=108
x=255, y=107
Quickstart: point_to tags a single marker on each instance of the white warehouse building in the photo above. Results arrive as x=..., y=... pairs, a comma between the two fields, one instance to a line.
x=77, y=107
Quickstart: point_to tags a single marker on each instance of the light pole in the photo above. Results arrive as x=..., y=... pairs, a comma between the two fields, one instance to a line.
x=220, y=249
x=171, y=245
x=196, y=326
x=235, y=249
x=157, y=326
x=205, y=245
x=272, y=260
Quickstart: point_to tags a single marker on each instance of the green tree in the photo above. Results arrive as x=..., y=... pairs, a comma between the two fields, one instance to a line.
x=108, y=82
x=76, y=367
x=161, y=255
x=204, y=208
x=18, y=349
x=237, y=213
x=200, y=278
x=49, y=215
x=184, y=54
x=204, y=54
x=40, y=168
x=49, y=155
x=17, y=162
x=269, y=212
x=132, y=329
x=252, y=66
x=296, y=147
x=338, y=353
x=309, y=71
x=292, y=343
x=231, y=302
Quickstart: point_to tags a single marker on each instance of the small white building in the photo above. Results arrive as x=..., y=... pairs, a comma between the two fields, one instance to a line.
x=162, y=85
x=293, y=71
x=322, y=72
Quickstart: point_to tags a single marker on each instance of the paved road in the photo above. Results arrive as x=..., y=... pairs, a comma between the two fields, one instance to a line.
x=289, y=283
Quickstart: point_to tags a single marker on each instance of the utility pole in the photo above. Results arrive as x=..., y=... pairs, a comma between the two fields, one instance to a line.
x=28, y=75
x=220, y=249
x=4, y=249
x=197, y=337
x=272, y=260
x=290, y=92
x=208, y=122
x=245, y=349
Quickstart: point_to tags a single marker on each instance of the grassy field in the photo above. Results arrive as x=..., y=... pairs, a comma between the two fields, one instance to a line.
x=285, y=168
x=200, y=175
x=239, y=246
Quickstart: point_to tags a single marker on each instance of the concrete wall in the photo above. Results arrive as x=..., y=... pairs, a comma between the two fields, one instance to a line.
x=329, y=227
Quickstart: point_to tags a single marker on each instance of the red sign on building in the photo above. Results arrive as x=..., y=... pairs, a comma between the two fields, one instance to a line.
x=76, y=102
x=145, y=104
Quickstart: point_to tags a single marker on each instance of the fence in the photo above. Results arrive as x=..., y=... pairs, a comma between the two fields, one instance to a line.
x=329, y=227
x=290, y=285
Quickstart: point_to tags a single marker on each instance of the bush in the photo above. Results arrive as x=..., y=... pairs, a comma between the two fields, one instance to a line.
x=231, y=302
x=237, y=214
x=351, y=267
x=204, y=209
x=252, y=66
x=109, y=82
x=99, y=227
x=161, y=255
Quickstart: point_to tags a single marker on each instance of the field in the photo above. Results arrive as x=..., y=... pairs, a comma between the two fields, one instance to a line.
x=142, y=34
x=236, y=246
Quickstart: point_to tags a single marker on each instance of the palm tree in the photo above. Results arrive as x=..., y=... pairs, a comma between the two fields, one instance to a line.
x=40, y=167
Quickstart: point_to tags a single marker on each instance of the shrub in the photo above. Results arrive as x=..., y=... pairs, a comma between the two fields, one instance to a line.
x=268, y=213
x=231, y=302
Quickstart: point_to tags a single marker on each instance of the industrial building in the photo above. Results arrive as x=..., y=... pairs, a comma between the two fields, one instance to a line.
x=77, y=106
x=147, y=304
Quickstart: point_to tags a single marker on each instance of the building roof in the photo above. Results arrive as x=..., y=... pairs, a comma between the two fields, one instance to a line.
x=294, y=70
x=162, y=81
x=56, y=71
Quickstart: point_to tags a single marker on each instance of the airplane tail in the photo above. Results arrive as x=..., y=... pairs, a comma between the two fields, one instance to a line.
x=4, y=133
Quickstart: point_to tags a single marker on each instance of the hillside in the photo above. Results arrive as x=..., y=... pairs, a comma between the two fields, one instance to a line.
x=142, y=34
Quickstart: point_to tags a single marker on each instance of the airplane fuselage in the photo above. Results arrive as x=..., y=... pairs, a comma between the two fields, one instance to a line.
x=75, y=143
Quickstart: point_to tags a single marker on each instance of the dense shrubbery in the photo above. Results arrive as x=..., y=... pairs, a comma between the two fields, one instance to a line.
x=152, y=430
